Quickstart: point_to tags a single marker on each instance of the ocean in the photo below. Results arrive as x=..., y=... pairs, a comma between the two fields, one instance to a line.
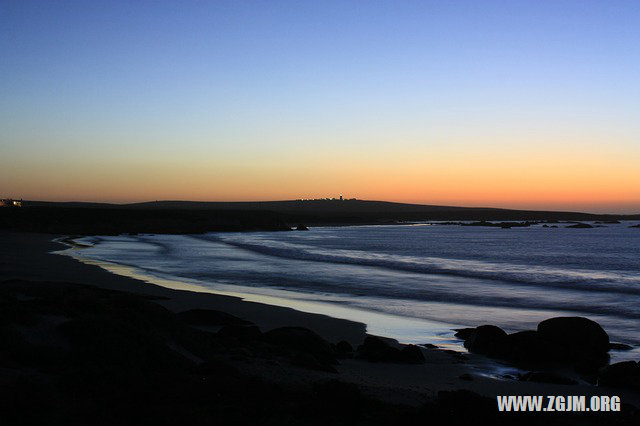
x=415, y=283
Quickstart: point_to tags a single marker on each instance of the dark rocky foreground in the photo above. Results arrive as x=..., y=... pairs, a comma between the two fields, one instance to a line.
x=570, y=343
x=73, y=354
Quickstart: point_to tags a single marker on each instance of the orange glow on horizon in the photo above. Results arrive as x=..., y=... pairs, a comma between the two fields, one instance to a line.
x=542, y=178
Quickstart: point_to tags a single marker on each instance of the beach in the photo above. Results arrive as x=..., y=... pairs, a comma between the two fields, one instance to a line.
x=399, y=387
x=415, y=283
x=319, y=213
x=28, y=257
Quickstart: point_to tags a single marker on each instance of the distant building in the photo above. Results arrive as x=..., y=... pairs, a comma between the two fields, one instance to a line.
x=341, y=198
x=8, y=202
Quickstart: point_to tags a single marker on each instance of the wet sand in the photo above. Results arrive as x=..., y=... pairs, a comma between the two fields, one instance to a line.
x=28, y=257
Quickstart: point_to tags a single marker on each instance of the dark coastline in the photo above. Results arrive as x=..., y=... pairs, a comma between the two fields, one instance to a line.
x=83, y=346
x=101, y=221
x=27, y=256
x=186, y=217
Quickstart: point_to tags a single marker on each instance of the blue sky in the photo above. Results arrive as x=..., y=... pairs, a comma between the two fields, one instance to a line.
x=98, y=88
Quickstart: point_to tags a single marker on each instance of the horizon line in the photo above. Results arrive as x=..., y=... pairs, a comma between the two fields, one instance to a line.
x=321, y=199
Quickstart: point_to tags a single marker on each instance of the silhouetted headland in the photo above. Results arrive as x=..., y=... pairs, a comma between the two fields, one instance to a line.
x=187, y=217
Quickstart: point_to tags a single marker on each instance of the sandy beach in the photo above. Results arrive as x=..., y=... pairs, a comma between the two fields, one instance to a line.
x=28, y=256
x=27, y=261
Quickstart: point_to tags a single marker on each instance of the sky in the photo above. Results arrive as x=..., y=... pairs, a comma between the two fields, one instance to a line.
x=517, y=104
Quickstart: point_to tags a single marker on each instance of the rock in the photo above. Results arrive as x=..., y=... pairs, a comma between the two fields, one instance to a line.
x=480, y=223
x=576, y=333
x=578, y=341
x=240, y=332
x=301, y=227
x=580, y=225
x=300, y=339
x=564, y=341
x=635, y=226
x=622, y=374
x=547, y=377
x=411, y=354
x=464, y=333
x=375, y=349
x=527, y=347
x=459, y=358
x=208, y=317
x=619, y=347
x=488, y=340
x=343, y=349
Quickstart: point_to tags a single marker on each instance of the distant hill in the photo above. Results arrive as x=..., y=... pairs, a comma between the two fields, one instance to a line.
x=115, y=220
x=343, y=212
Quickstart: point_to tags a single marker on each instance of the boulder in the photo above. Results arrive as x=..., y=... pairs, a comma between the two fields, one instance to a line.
x=621, y=374
x=488, y=340
x=301, y=227
x=463, y=333
x=411, y=354
x=343, y=349
x=375, y=349
x=580, y=225
x=526, y=347
x=619, y=347
x=564, y=341
x=576, y=333
x=299, y=339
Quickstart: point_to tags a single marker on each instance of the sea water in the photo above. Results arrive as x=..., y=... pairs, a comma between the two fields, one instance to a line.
x=415, y=283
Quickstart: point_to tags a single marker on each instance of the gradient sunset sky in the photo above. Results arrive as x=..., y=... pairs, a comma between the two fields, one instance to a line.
x=521, y=104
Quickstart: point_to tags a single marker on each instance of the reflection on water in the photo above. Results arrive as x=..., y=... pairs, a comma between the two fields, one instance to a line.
x=408, y=282
x=406, y=330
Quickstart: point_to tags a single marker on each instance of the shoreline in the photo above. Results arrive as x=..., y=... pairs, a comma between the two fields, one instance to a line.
x=28, y=257
x=377, y=323
x=38, y=248
x=436, y=327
